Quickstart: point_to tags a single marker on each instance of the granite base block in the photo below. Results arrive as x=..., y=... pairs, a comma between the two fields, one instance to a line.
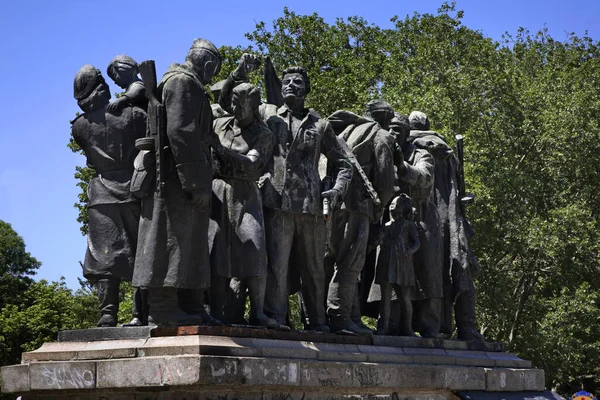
x=192, y=366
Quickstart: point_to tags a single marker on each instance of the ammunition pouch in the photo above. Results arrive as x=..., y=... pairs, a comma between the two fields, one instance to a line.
x=143, y=180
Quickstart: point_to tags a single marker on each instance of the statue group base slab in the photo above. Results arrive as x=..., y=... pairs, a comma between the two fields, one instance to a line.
x=241, y=363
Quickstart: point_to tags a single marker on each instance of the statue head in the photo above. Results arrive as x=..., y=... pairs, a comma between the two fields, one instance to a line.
x=123, y=70
x=401, y=207
x=90, y=89
x=418, y=121
x=380, y=111
x=245, y=101
x=435, y=145
x=400, y=127
x=295, y=84
x=205, y=59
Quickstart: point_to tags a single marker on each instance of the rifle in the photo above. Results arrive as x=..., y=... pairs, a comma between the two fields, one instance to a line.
x=156, y=121
x=358, y=168
x=365, y=179
x=465, y=198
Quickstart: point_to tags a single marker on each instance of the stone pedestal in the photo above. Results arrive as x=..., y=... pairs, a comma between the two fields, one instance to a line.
x=210, y=363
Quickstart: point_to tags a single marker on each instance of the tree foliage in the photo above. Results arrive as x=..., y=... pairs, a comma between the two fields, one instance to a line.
x=32, y=313
x=17, y=266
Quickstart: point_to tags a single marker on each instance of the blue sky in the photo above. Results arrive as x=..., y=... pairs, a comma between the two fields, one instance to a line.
x=45, y=42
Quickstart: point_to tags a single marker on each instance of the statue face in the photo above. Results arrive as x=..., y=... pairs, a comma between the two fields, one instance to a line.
x=204, y=63
x=241, y=107
x=293, y=86
x=104, y=92
x=399, y=132
x=383, y=117
x=211, y=68
x=396, y=211
x=123, y=75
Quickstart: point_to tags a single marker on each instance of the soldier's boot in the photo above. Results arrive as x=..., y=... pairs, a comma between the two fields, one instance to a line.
x=406, y=316
x=256, y=289
x=135, y=321
x=108, y=294
x=426, y=318
x=355, y=314
x=145, y=306
x=192, y=302
x=140, y=308
x=464, y=310
x=383, y=323
x=469, y=334
x=339, y=303
x=165, y=310
x=235, y=304
x=218, y=294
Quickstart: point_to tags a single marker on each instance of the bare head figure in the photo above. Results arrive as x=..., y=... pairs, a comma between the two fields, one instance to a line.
x=123, y=70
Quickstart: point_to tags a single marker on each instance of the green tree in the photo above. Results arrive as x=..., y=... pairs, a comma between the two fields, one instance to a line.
x=17, y=265
x=32, y=313
x=44, y=309
x=343, y=60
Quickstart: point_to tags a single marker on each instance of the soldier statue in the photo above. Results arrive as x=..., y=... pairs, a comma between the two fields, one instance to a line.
x=371, y=188
x=108, y=142
x=293, y=198
x=415, y=177
x=123, y=70
x=172, y=257
x=459, y=265
x=237, y=233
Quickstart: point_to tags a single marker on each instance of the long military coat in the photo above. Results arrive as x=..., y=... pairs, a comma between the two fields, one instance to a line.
x=108, y=142
x=418, y=183
x=237, y=231
x=173, y=242
x=455, y=247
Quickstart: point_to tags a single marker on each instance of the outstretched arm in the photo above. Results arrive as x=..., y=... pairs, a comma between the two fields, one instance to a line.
x=247, y=64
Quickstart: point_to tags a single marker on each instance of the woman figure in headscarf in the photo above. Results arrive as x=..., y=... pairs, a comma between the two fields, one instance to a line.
x=236, y=233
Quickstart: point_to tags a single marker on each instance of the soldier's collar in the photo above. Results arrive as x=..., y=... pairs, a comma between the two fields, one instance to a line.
x=183, y=69
x=284, y=110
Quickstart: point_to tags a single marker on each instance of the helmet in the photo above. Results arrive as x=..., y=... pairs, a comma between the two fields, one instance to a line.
x=86, y=80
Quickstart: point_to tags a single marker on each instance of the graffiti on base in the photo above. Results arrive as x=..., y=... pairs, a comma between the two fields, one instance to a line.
x=367, y=377
x=65, y=377
x=328, y=382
